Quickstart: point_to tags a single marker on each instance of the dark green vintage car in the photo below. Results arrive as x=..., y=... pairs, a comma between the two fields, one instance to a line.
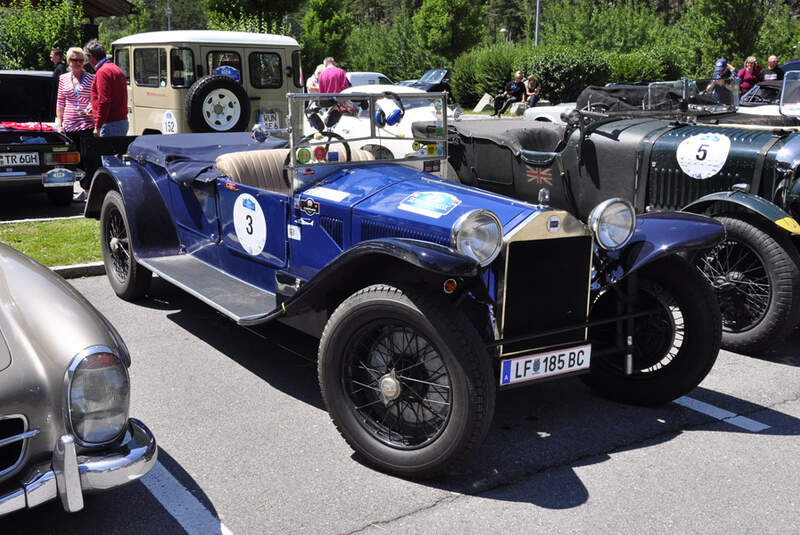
x=668, y=147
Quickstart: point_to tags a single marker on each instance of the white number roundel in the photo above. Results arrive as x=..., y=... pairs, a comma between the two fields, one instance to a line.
x=251, y=227
x=702, y=156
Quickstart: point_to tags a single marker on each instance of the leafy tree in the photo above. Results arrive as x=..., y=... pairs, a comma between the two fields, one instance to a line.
x=247, y=23
x=326, y=25
x=449, y=27
x=272, y=11
x=151, y=16
x=718, y=28
x=779, y=34
x=29, y=30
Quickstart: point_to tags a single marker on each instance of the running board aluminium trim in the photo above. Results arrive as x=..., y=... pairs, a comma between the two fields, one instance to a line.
x=232, y=297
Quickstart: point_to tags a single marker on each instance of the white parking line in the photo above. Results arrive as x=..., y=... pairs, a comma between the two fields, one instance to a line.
x=39, y=219
x=181, y=504
x=721, y=414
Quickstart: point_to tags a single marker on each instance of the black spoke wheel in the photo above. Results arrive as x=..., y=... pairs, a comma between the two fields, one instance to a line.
x=757, y=281
x=674, y=346
x=406, y=380
x=128, y=279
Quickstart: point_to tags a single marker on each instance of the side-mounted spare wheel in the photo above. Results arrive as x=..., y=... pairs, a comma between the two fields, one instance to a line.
x=128, y=279
x=406, y=380
x=756, y=275
x=217, y=103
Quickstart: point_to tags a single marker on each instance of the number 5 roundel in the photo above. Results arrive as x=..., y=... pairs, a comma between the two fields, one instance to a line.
x=702, y=156
x=250, y=225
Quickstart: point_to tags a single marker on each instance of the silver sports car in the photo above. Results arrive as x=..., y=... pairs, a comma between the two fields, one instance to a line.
x=64, y=394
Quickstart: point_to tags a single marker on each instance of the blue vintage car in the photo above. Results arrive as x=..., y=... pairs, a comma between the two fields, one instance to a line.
x=428, y=296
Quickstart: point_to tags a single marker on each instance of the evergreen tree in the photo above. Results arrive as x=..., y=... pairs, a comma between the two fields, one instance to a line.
x=449, y=27
x=326, y=25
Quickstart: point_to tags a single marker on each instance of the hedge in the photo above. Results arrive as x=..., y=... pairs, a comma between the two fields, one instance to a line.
x=563, y=71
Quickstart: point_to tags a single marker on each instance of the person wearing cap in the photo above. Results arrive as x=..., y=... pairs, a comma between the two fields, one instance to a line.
x=721, y=82
x=772, y=72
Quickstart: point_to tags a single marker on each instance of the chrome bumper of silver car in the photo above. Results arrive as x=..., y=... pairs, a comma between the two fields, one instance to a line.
x=69, y=475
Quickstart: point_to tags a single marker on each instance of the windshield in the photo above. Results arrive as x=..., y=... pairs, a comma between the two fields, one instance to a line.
x=763, y=93
x=328, y=130
x=790, y=95
x=715, y=95
x=433, y=76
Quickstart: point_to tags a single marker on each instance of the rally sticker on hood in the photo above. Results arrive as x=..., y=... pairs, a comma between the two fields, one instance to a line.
x=703, y=155
x=433, y=204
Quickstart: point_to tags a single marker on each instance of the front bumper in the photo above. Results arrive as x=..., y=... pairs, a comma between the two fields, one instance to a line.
x=69, y=475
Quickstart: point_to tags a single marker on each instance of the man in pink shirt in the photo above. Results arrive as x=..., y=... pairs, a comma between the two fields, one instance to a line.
x=332, y=79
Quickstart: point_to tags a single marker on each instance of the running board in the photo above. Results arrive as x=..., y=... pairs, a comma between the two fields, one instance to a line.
x=229, y=295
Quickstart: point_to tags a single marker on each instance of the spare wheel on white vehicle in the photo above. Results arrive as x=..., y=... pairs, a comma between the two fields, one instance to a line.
x=217, y=103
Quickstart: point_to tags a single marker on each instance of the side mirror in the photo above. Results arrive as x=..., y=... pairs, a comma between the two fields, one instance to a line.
x=259, y=133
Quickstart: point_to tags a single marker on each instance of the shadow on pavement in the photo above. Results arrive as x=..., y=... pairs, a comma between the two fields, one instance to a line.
x=15, y=205
x=127, y=510
x=290, y=365
x=544, y=430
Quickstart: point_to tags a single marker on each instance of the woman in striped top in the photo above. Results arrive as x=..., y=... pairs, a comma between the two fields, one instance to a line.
x=73, y=103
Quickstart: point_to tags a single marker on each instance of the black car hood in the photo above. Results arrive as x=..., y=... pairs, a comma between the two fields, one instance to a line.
x=28, y=96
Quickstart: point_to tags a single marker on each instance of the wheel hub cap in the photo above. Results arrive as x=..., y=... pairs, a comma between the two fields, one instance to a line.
x=390, y=387
x=114, y=244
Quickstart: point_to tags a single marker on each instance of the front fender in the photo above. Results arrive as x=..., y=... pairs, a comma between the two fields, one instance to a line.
x=659, y=234
x=753, y=203
x=372, y=262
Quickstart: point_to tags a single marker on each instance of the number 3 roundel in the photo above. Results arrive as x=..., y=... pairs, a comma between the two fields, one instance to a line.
x=251, y=227
x=702, y=156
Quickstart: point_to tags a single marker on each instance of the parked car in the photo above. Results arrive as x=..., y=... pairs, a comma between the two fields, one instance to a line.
x=742, y=171
x=548, y=114
x=394, y=138
x=407, y=82
x=434, y=81
x=33, y=156
x=64, y=394
x=207, y=81
x=368, y=78
x=428, y=296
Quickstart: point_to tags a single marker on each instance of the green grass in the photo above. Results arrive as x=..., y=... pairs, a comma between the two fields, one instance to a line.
x=55, y=243
x=484, y=112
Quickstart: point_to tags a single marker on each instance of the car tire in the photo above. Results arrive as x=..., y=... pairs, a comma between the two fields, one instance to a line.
x=759, y=305
x=217, y=103
x=444, y=403
x=59, y=196
x=673, y=349
x=127, y=277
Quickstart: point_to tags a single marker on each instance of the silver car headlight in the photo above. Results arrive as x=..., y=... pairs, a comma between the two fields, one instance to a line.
x=98, y=396
x=479, y=235
x=613, y=222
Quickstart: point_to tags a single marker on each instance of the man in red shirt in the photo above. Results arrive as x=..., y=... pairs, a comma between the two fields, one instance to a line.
x=109, y=93
x=332, y=79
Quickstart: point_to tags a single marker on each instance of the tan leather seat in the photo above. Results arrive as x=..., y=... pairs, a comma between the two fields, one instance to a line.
x=258, y=168
x=264, y=168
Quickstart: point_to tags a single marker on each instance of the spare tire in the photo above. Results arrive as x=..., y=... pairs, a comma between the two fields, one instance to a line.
x=217, y=103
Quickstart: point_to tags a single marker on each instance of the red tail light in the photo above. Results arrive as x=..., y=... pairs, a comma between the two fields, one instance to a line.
x=62, y=158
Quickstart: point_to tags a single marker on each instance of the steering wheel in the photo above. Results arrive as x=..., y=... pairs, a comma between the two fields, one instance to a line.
x=330, y=136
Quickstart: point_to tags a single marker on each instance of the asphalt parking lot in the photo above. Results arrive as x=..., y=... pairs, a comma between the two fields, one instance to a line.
x=247, y=447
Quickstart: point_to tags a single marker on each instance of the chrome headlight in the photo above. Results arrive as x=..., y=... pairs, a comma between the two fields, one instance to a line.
x=98, y=396
x=613, y=222
x=479, y=235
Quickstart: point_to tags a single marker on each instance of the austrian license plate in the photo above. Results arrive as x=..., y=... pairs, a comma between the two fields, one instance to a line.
x=271, y=120
x=18, y=159
x=546, y=364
